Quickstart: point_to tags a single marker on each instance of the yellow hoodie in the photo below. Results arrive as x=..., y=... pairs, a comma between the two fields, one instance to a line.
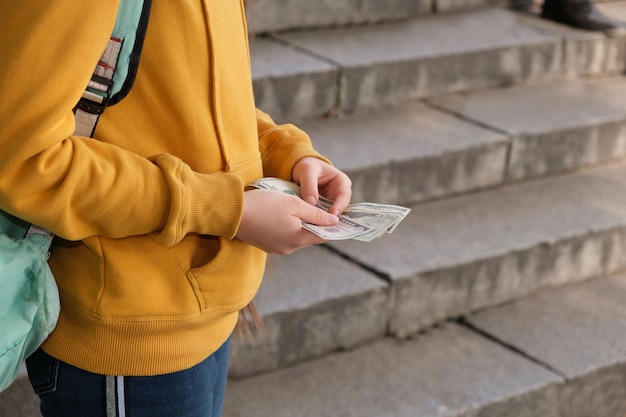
x=150, y=275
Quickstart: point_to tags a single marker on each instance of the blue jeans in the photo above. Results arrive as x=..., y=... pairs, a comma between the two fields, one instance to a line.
x=66, y=391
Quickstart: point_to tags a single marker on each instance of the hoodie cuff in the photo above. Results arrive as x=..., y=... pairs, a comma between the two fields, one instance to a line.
x=285, y=158
x=208, y=204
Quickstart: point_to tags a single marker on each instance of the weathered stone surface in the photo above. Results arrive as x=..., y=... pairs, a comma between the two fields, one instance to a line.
x=615, y=9
x=451, y=292
x=313, y=302
x=452, y=257
x=446, y=372
x=412, y=153
x=397, y=62
x=587, y=53
x=392, y=63
x=556, y=128
x=600, y=393
x=276, y=15
x=19, y=400
x=598, y=55
x=578, y=330
x=289, y=83
x=446, y=6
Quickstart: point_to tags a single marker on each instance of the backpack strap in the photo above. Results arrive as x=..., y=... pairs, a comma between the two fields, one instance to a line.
x=115, y=72
x=111, y=81
x=46, y=237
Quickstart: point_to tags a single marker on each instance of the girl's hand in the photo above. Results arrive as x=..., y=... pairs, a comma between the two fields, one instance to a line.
x=317, y=177
x=272, y=221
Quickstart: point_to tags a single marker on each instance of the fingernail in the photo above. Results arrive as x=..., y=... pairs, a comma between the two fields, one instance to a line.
x=310, y=200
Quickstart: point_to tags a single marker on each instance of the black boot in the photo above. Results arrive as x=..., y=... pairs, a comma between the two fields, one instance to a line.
x=578, y=14
x=520, y=5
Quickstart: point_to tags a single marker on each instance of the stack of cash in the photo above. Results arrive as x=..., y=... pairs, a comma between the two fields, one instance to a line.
x=360, y=221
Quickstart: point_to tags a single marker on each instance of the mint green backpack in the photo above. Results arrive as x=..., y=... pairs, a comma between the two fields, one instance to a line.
x=29, y=298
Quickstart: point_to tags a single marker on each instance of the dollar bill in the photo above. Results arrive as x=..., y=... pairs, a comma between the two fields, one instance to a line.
x=360, y=221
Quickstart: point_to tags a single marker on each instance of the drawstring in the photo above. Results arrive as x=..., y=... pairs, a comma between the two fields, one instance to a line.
x=216, y=92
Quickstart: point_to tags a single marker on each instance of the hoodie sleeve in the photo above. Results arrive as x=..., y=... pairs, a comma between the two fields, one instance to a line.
x=75, y=186
x=282, y=146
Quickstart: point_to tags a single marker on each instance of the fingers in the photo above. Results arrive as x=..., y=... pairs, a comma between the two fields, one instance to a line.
x=314, y=215
x=342, y=194
x=272, y=221
x=309, y=186
x=314, y=175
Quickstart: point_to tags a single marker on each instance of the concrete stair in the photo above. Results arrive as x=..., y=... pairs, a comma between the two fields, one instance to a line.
x=302, y=74
x=450, y=258
x=559, y=353
x=460, y=143
x=500, y=293
x=267, y=16
x=505, y=134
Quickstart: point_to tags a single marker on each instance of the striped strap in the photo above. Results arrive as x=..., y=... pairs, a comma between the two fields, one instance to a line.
x=91, y=105
x=45, y=242
x=98, y=92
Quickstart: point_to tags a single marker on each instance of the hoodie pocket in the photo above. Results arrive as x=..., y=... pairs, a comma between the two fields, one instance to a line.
x=230, y=280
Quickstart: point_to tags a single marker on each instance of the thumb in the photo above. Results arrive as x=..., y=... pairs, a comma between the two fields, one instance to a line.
x=308, y=189
x=315, y=215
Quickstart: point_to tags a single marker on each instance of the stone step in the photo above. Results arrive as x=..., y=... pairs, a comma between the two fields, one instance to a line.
x=312, y=302
x=449, y=372
x=267, y=16
x=554, y=128
x=463, y=142
x=557, y=354
x=305, y=74
x=447, y=259
x=580, y=333
x=279, y=15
